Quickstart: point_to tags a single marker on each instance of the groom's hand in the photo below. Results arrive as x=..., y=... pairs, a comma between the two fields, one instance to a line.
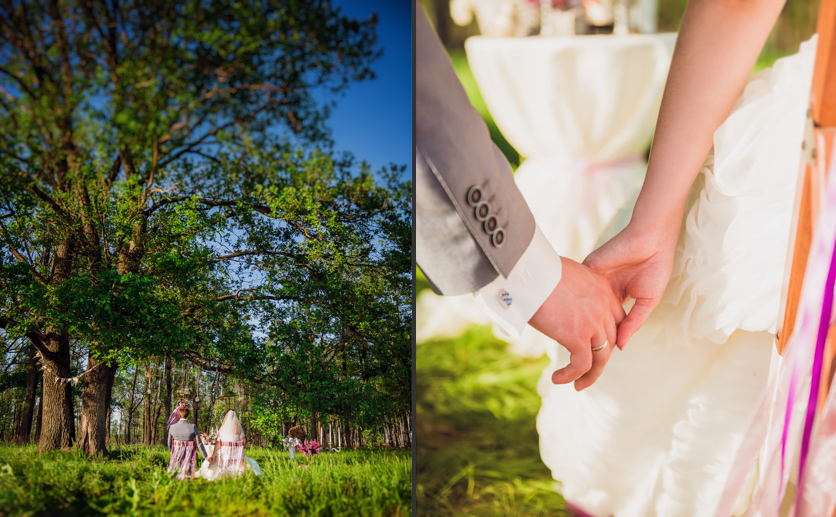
x=581, y=313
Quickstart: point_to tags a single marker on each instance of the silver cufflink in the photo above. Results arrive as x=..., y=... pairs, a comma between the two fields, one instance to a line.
x=505, y=298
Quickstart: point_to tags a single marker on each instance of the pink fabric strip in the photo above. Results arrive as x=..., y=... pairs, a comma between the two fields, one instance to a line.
x=629, y=161
x=231, y=457
x=787, y=416
x=824, y=324
x=182, y=459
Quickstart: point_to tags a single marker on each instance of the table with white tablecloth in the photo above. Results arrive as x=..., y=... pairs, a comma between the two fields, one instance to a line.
x=581, y=110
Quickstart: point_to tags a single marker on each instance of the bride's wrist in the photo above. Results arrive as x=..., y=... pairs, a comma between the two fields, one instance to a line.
x=650, y=239
x=656, y=223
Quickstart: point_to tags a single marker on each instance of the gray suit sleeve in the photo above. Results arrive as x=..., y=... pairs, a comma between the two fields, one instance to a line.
x=472, y=222
x=200, y=443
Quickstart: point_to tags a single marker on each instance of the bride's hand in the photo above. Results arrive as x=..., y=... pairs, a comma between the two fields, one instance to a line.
x=637, y=263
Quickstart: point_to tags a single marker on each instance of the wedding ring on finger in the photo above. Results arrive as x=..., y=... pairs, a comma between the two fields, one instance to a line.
x=599, y=348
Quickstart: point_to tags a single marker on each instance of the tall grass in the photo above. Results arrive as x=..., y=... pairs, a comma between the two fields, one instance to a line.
x=133, y=481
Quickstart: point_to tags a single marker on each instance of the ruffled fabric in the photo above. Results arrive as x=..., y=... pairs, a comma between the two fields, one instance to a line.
x=657, y=434
x=731, y=257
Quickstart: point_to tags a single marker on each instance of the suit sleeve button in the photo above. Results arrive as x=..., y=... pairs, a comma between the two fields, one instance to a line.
x=498, y=237
x=474, y=195
x=483, y=210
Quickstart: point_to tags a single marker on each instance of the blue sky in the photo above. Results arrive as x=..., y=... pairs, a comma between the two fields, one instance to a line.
x=373, y=119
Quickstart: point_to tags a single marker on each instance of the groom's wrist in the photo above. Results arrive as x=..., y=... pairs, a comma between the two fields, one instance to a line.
x=512, y=301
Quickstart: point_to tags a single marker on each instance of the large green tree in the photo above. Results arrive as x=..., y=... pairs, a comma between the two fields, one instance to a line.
x=148, y=205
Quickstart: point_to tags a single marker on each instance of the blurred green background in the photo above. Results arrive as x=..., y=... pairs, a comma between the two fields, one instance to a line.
x=477, y=444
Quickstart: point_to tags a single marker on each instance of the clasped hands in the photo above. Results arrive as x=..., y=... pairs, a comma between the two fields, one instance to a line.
x=585, y=309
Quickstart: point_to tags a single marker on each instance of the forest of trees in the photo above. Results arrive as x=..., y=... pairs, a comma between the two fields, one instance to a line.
x=144, y=396
x=175, y=224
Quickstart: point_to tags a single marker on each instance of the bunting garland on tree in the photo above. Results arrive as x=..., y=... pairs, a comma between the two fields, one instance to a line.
x=39, y=359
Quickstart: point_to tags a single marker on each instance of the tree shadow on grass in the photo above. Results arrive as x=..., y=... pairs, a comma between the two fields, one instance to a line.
x=478, y=450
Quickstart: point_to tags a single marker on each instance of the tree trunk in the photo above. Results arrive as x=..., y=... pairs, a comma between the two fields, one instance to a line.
x=32, y=379
x=128, y=428
x=146, y=421
x=58, y=426
x=196, y=399
x=155, y=417
x=167, y=394
x=107, y=427
x=131, y=408
x=407, y=433
x=196, y=413
x=92, y=436
x=109, y=399
x=16, y=420
x=40, y=414
x=146, y=409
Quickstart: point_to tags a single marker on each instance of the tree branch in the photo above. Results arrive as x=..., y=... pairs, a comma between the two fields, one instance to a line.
x=114, y=171
x=35, y=337
x=252, y=252
x=208, y=202
x=20, y=258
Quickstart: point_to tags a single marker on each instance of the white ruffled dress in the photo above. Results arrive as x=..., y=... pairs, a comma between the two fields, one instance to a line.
x=657, y=434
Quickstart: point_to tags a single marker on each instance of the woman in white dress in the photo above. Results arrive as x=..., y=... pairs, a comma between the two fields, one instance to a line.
x=228, y=457
x=703, y=256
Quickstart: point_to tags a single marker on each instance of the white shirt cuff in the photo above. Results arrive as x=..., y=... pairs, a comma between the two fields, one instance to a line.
x=512, y=301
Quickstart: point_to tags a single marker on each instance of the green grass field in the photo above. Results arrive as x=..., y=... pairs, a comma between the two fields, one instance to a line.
x=477, y=442
x=133, y=481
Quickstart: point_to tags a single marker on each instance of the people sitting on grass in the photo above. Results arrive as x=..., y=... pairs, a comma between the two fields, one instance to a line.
x=183, y=440
x=229, y=451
